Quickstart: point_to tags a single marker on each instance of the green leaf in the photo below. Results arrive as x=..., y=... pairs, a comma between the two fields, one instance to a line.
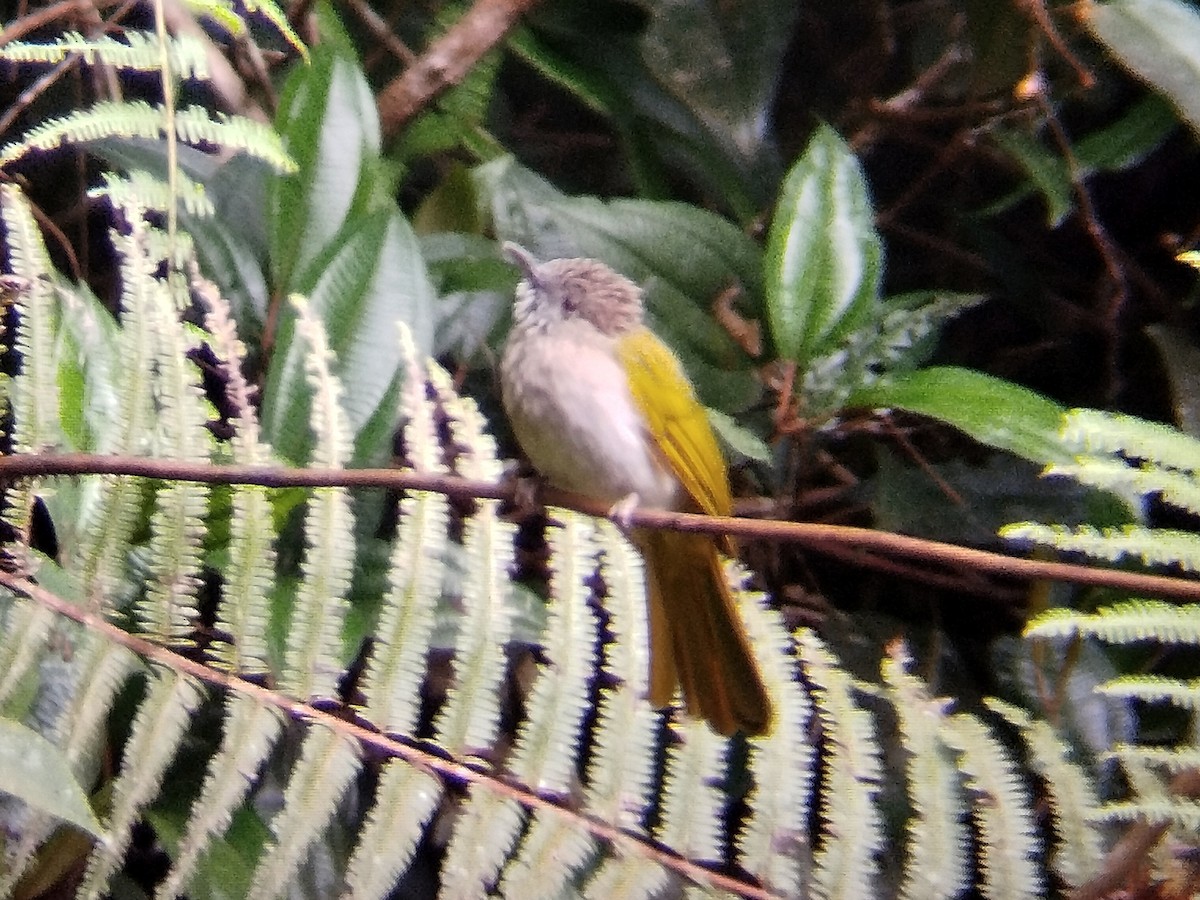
x=722, y=61
x=685, y=258
x=824, y=258
x=995, y=492
x=1130, y=139
x=697, y=251
x=992, y=411
x=898, y=336
x=88, y=369
x=738, y=438
x=1124, y=143
x=595, y=51
x=35, y=771
x=374, y=279
x=1181, y=359
x=1047, y=171
x=330, y=126
x=227, y=863
x=232, y=244
x=458, y=119
x=1157, y=40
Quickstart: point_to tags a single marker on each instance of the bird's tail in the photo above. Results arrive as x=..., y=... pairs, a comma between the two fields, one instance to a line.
x=696, y=636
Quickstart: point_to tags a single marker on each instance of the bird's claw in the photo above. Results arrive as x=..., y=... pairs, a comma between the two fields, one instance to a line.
x=622, y=511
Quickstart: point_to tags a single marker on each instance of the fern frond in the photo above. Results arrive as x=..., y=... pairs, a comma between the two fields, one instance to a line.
x=312, y=663
x=138, y=52
x=195, y=125
x=875, y=348
x=278, y=19
x=1173, y=759
x=117, y=505
x=1155, y=689
x=245, y=611
x=24, y=626
x=552, y=849
x=937, y=844
x=487, y=827
x=693, y=804
x=620, y=771
x=1078, y=847
x=846, y=865
x=395, y=670
x=77, y=690
x=627, y=876
x=1133, y=483
x=160, y=725
x=141, y=190
x=1153, y=546
x=471, y=713
x=1145, y=784
x=34, y=391
x=1175, y=812
x=103, y=669
x=137, y=119
x=220, y=12
x=1123, y=623
x=327, y=765
x=548, y=741
x=405, y=800
x=168, y=613
x=251, y=730
x=1097, y=433
x=773, y=843
x=1008, y=838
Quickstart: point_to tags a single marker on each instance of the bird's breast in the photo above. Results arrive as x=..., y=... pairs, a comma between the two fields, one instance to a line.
x=569, y=403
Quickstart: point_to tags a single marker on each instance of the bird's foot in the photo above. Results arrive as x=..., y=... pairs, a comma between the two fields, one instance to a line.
x=622, y=511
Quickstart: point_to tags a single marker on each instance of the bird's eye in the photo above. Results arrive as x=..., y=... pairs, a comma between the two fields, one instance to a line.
x=569, y=302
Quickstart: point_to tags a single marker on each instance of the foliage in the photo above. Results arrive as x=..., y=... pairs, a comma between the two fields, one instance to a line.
x=1136, y=460
x=332, y=690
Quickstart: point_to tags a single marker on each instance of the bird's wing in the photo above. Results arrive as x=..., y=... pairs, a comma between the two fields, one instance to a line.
x=676, y=420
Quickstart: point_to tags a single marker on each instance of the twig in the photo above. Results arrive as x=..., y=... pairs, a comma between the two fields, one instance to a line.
x=223, y=79
x=810, y=534
x=35, y=90
x=421, y=759
x=447, y=61
x=381, y=31
x=1037, y=11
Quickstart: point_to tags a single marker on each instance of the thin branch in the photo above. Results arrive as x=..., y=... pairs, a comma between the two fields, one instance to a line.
x=447, y=61
x=810, y=534
x=432, y=763
x=382, y=31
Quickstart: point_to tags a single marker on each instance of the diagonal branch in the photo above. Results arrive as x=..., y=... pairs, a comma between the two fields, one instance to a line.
x=447, y=61
x=817, y=536
x=434, y=763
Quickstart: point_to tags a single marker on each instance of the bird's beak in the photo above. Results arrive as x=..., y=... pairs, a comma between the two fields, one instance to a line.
x=522, y=259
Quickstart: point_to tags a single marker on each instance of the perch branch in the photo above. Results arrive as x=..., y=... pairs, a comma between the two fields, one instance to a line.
x=810, y=534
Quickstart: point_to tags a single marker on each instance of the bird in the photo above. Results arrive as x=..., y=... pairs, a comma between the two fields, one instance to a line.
x=602, y=407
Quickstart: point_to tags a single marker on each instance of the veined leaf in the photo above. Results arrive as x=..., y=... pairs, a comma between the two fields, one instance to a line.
x=375, y=279
x=329, y=124
x=993, y=411
x=1157, y=40
x=824, y=258
x=596, y=53
x=37, y=772
x=723, y=62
